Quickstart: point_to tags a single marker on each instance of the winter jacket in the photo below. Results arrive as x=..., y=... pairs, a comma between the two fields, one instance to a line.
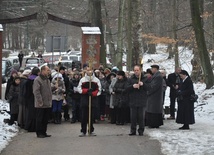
x=42, y=92
x=83, y=88
x=120, y=97
x=21, y=98
x=13, y=98
x=57, y=92
x=155, y=94
x=185, y=113
x=137, y=97
x=72, y=93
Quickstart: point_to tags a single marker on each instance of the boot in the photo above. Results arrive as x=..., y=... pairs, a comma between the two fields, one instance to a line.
x=59, y=117
x=55, y=118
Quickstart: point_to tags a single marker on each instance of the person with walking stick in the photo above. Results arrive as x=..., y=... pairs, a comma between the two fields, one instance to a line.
x=89, y=87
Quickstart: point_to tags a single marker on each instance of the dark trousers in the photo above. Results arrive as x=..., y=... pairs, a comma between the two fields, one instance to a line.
x=76, y=110
x=120, y=115
x=102, y=102
x=85, y=116
x=112, y=115
x=172, y=106
x=42, y=116
x=137, y=116
x=65, y=110
x=57, y=105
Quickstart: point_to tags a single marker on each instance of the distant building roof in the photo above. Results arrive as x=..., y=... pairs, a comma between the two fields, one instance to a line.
x=91, y=30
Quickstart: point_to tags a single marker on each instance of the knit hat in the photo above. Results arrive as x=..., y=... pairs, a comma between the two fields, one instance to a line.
x=14, y=72
x=122, y=73
x=58, y=75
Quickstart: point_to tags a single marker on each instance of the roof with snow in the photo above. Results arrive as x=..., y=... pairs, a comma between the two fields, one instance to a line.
x=91, y=30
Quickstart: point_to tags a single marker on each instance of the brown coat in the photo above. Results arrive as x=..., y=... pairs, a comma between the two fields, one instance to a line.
x=42, y=92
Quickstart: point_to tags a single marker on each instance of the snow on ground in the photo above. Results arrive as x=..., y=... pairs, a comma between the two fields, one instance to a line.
x=198, y=140
x=6, y=131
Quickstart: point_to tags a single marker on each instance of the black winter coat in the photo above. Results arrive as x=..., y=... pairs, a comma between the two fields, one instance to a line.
x=74, y=95
x=30, y=123
x=173, y=79
x=13, y=98
x=120, y=97
x=137, y=97
x=185, y=114
x=9, y=83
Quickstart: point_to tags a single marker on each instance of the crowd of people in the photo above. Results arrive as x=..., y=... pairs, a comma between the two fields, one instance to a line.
x=41, y=96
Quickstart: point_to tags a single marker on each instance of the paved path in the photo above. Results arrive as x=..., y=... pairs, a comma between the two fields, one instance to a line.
x=110, y=140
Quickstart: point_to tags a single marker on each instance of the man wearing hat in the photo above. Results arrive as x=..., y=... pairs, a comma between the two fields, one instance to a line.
x=155, y=98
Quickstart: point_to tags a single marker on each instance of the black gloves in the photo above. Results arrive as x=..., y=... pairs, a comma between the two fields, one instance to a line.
x=90, y=91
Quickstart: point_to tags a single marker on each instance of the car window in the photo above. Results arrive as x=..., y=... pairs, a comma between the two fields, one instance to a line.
x=64, y=57
x=15, y=61
x=74, y=58
x=32, y=61
x=3, y=66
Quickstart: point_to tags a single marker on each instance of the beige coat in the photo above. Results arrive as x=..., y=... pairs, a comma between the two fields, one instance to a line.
x=42, y=92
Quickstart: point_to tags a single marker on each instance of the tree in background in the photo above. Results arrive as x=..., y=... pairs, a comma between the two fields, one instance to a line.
x=201, y=45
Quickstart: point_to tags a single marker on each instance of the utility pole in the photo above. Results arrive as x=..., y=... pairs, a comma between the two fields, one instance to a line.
x=1, y=46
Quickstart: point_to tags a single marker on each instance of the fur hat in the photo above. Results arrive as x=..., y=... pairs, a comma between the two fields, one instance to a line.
x=122, y=73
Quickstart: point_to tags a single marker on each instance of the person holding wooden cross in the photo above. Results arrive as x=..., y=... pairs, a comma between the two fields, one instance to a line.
x=89, y=87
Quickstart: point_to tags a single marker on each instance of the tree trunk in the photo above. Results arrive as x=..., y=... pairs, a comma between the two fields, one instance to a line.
x=200, y=40
x=174, y=31
x=196, y=67
x=212, y=28
x=137, y=32
x=96, y=20
x=129, y=36
x=152, y=47
x=109, y=38
x=169, y=50
x=120, y=35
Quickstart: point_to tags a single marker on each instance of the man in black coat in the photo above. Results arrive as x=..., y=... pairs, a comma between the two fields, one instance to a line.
x=137, y=101
x=20, y=56
x=173, y=81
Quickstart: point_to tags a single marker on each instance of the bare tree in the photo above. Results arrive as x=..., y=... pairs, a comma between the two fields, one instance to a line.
x=201, y=45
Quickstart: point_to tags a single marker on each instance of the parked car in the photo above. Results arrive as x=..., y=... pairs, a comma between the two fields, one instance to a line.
x=6, y=69
x=69, y=64
x=35, y=62
x=15, y=62
x=65, y=63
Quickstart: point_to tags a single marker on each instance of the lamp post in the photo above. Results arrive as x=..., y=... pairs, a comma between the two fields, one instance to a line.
x=1, y=46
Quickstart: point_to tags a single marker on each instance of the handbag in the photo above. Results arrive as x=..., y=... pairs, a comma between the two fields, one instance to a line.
x=194, y=97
